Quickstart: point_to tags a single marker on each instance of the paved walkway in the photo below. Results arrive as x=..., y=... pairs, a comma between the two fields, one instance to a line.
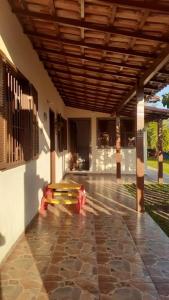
x=152, y=175
x=109, y=252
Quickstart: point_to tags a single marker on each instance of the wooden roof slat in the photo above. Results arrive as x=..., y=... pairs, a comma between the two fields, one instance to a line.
x=158, y=64
x=84, y=84
x=82, y=100
x=84, y=68
x=89, y=45
x=88, y=83
x=92, y=108
x=90, y=99
x=120, y=82
x=145, y=5
x=97, y=50
x=78, y=96
x=87, y=58
x=92, y=96
x=90, y=92
x=91, y=89
x=89, y=26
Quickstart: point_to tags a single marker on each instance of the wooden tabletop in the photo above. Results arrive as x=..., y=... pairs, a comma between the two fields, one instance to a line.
x=64, y=186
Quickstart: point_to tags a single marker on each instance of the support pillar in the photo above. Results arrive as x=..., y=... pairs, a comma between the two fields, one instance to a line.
x=118, y=148
x=160, y=151
x=145, y=148
x=140, y=149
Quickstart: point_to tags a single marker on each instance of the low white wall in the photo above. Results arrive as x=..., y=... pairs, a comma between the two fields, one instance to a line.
x=21, y=187
x=103, y=160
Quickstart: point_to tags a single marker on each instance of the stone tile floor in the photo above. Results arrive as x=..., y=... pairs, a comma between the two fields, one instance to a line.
x=109, y=252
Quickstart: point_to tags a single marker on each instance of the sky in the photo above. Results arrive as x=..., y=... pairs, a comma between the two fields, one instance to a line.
x=161, y=93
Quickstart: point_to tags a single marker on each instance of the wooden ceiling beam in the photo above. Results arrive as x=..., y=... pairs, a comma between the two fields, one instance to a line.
x=144, y=5
x=69, y=91
x=88, y=93
x=89, y=89
x=72, y=73
x=87, y=25
x=85, y=107
x=90, y=102
x=94, y=97
x=86, y=58
x=109, y=95
x=122, y=51
x=79, y=100
x=158, y=64
x=66, y=80
x=164, y=72
x=96, y=70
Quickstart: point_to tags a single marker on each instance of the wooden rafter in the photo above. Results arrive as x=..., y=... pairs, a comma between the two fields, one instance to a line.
x=85, y=106
x=86, y=58
x=97, y=51
x=91, y=89
x=88, y=92
x=93, y=69
x=158, y=64
x=72, y=99
x=74, y=73
x=88, y=45
x=149, y=5
x=90, y=26
x=65, y=80
x=90, y=96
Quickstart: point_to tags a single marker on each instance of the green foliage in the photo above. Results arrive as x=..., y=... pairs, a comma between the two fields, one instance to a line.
x=166, y=135
x=152, y=135
x=165, y=100
x=153, y=163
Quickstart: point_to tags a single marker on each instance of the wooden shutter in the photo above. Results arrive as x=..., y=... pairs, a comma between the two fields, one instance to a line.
x=3, y=115
x=65, y=135
x=35, y=130
x=19, y=138
x=59, y=132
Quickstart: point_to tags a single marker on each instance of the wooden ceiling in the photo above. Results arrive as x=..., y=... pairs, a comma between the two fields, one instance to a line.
x=155, y=114
x=95, y=51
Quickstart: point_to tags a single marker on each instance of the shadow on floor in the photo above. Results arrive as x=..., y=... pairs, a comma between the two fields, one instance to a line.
x=90, y=256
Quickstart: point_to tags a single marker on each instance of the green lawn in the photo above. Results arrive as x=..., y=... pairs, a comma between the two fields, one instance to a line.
x=156, y=202
x=152, y=162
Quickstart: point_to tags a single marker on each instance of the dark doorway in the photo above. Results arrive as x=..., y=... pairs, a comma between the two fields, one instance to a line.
x=79, y=143
x=52, y=145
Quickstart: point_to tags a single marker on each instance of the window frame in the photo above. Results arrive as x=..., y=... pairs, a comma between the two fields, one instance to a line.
x=16, y=108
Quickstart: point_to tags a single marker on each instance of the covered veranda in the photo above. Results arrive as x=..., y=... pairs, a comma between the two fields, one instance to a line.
x=103, y=57
x=106, y=57
x=109, y=252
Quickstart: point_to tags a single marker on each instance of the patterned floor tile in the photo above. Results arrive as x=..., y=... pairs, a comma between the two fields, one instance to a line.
x=108, y=252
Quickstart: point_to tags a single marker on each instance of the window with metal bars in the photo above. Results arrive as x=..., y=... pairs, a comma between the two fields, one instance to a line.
x=19, y=138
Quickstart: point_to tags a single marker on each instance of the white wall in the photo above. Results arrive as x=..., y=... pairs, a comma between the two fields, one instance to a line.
x=103, y=160
x=106, y=160
x=21, y=187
